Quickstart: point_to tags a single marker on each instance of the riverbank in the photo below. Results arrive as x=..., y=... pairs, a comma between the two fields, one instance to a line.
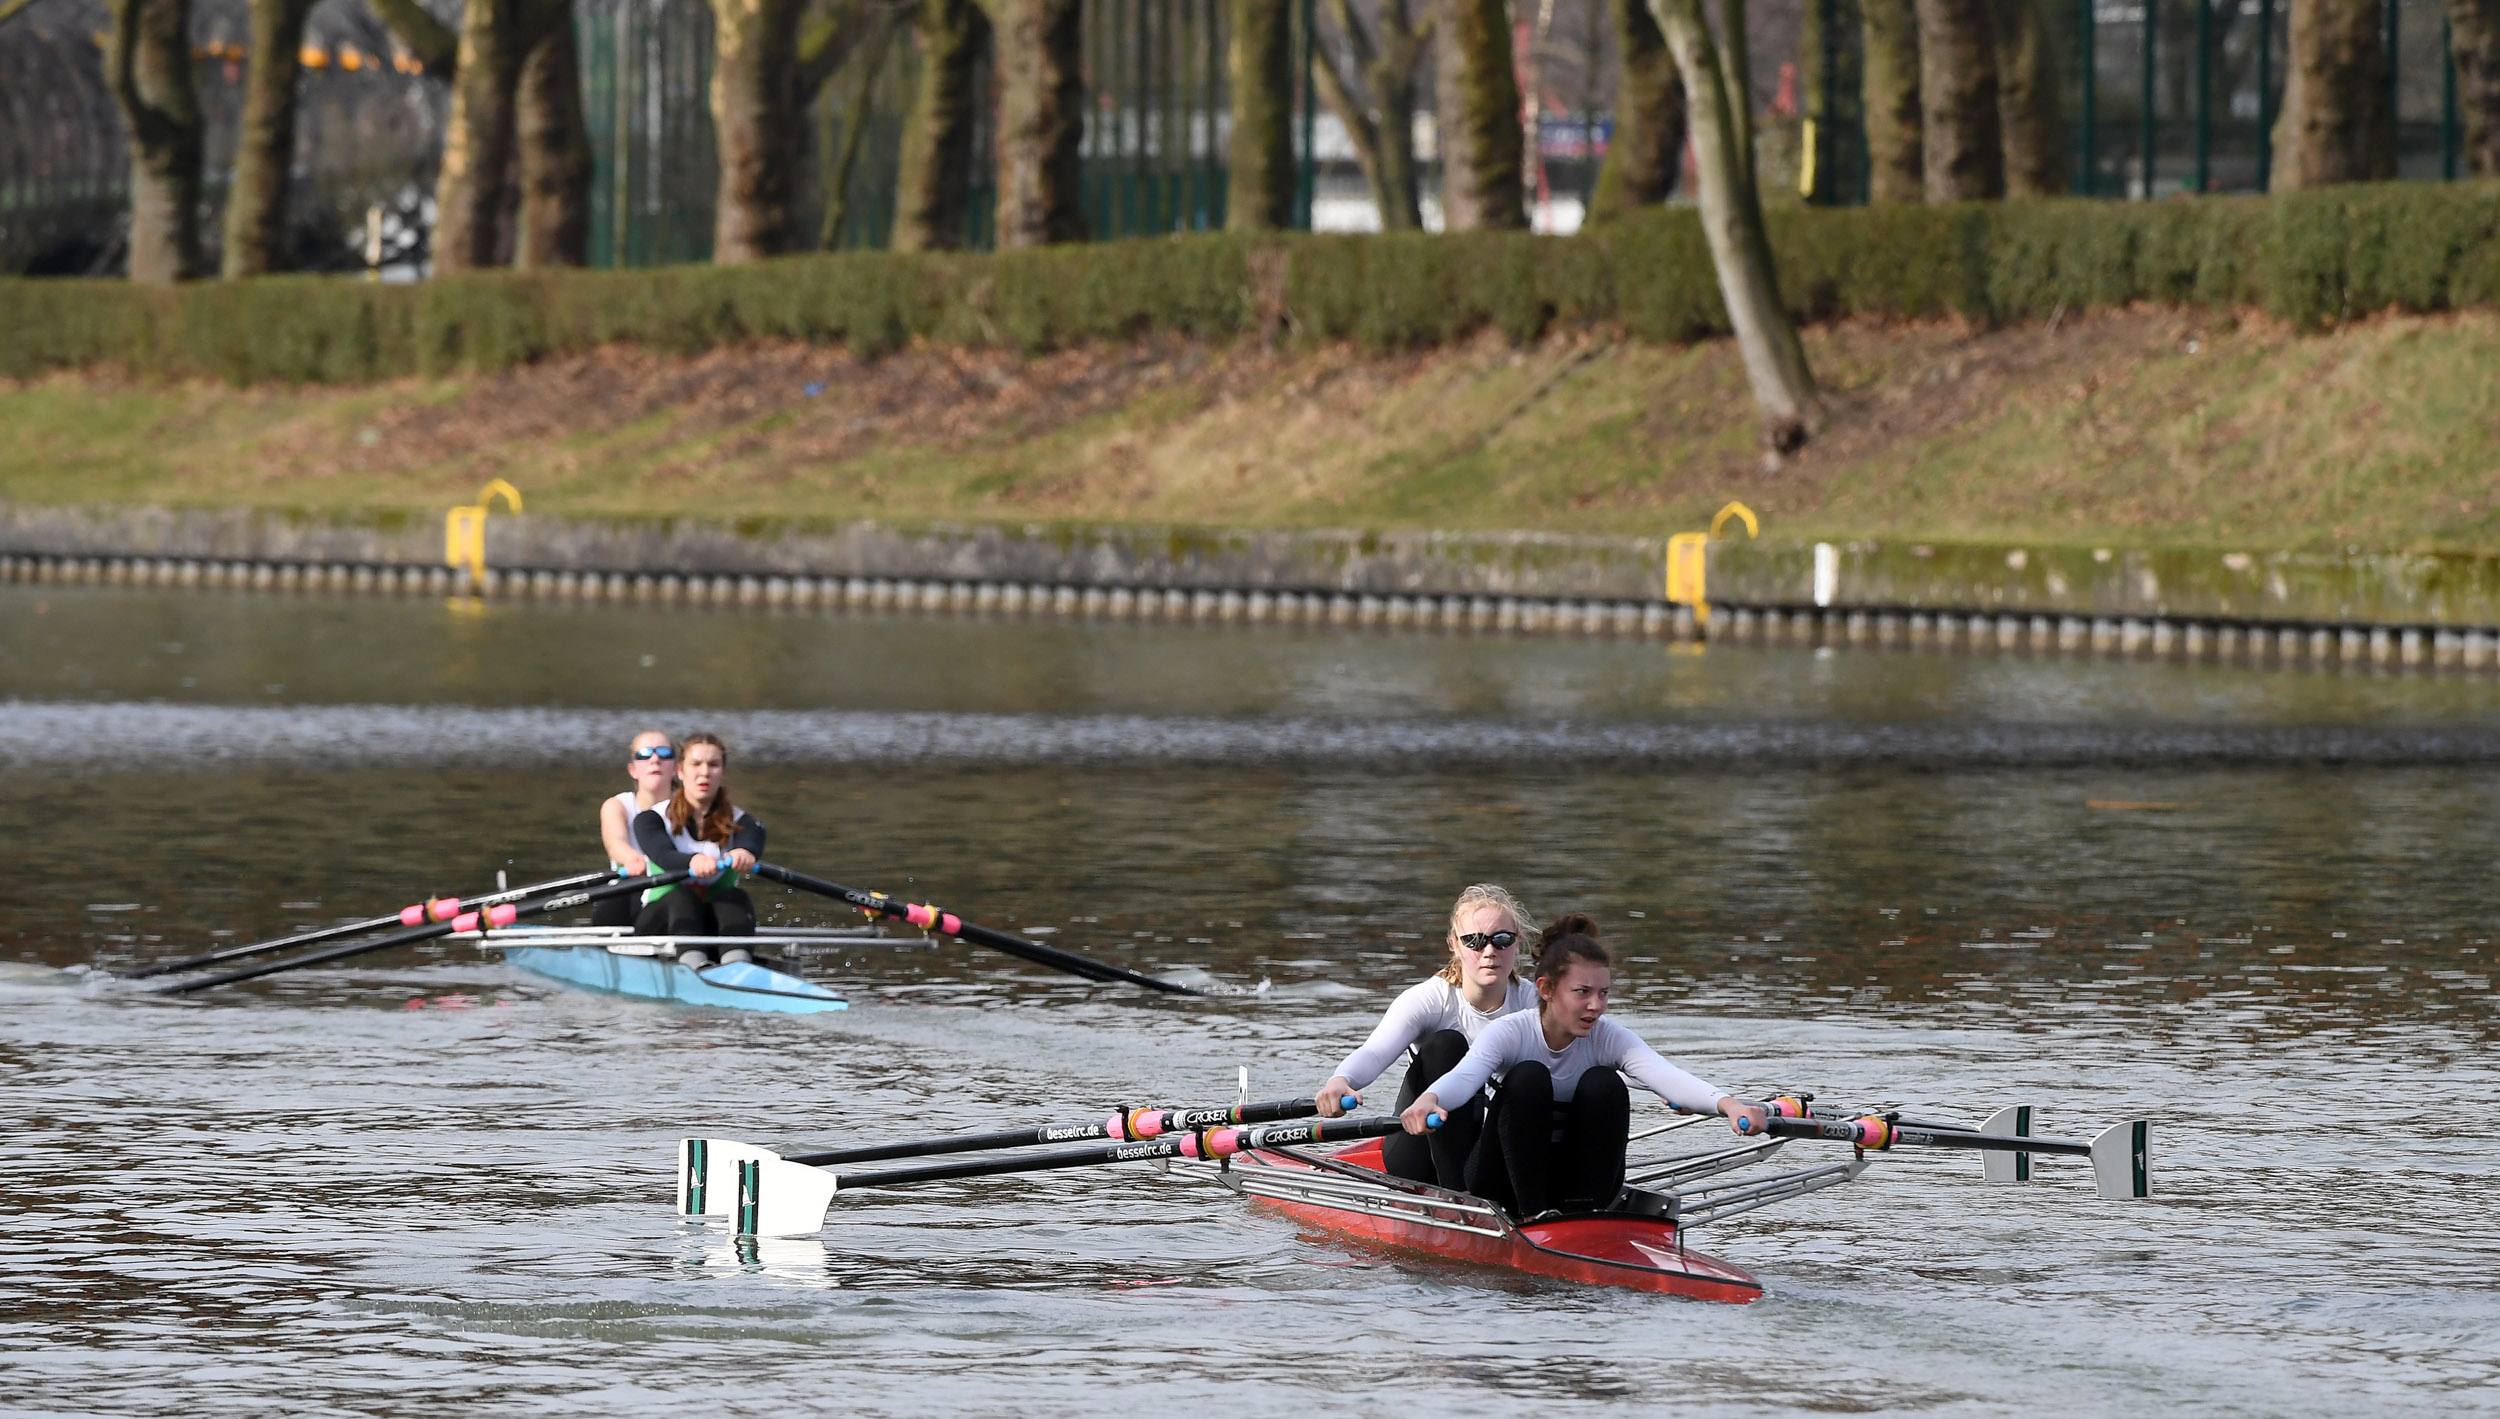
x=2140, y=428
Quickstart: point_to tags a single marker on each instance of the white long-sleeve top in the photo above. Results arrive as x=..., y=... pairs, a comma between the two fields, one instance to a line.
x=1517, y=1039
x=1422, y=1010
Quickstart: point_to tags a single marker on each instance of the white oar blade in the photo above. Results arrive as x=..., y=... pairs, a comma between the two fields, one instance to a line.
x=2122, y=1162
x=782, y=1199
x=2000, y=1167
x=707, y=1174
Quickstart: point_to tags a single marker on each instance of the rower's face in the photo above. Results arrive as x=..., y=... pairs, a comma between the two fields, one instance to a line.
x=1578, y=997
x=1484, y=966
x=705, y=769
x=654, y=777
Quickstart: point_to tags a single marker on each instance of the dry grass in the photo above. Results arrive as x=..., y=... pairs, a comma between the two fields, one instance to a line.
x=2144, y=426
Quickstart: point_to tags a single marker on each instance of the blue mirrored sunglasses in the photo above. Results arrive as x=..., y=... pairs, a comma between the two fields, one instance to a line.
x=655, y=751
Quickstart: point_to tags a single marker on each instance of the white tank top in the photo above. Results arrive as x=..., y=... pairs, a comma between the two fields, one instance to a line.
x=631, y=805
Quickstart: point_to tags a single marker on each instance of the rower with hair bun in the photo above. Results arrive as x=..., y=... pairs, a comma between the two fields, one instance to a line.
x=699, y=831
x=1555, y=1135
x=1438, y=1019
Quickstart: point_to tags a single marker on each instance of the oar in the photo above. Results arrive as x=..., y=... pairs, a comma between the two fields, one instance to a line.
x=1126, y=1125
x=503, y=915
x=938, y=919
x=777, y=1197
x=437, y=909
x=2120, y=1153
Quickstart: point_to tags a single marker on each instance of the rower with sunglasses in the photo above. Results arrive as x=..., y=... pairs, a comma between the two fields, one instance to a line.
x=652, y=764
x=1439, y=1019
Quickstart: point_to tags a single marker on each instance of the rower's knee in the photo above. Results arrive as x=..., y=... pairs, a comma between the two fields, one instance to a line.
x=1440, y=1053
x=1528, y=1083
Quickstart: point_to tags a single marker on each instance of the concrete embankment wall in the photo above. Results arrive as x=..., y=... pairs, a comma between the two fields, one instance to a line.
x=2393, y=611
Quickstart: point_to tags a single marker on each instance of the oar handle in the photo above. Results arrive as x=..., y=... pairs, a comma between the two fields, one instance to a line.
x=946, y=923
x=499, y=915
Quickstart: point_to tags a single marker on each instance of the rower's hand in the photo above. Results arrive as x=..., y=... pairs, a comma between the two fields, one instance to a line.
x=634, y=865
x=742, y=860
x=703, y=867
x=1744, y=1119
x=1332, y=1096
x=1422, y=1115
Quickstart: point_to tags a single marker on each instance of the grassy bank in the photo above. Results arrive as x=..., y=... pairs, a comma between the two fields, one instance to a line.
x=2142, y=427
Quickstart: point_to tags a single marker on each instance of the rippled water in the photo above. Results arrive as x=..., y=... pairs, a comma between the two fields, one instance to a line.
x=2255, y=907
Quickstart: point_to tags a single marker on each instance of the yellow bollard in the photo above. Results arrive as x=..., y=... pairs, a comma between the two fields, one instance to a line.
x=1688, y=561
x=464, y=530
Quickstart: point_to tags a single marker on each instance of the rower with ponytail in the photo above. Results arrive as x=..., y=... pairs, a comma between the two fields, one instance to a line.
x=699, y=831
x=1555, y=1134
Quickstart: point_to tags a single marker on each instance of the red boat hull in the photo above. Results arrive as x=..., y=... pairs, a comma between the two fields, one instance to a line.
x=1599, y=1249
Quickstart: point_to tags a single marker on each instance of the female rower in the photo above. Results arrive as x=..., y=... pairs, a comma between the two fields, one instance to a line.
x=1438, y=1019
x=1555, y=1134
x=651, y=762
x=700, y=830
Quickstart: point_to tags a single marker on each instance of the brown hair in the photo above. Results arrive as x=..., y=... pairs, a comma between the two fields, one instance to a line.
x=1479, y=895
x=722, y=819
x=1568, y=938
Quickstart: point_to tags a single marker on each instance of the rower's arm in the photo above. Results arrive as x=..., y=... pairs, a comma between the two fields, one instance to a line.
x=1654, y=1072
x=651, y=835
x=1401, y=1026
x=616, y=832
x=750, y=835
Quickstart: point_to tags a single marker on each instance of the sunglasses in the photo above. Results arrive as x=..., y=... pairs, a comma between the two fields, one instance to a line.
x=1489, y=940
x=655, y=751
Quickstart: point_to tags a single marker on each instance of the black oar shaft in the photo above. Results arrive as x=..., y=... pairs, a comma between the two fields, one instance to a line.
x=1127, y=1125
x=353, y=928
x=1222, y=1142
x=930, y=918
x=1877, y=1132
x=428, y=932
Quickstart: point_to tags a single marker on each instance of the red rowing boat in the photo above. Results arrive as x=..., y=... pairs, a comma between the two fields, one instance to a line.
x=1345, y=1191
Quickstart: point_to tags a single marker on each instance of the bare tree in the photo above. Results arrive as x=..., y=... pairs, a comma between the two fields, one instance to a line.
x=871, y=52
x=1896, y=150
x=1646, y=154
x=1740, y=246
x=2474, y=38
x=1259, y=62
x=1371, y=89
x=2336, y=125
x=1957, y=84
x=264, y=155
x=2034, y=130
x=755, y=122
x=937, y=138
x=1478, y=92
x=150, y=63
x=1039, y=48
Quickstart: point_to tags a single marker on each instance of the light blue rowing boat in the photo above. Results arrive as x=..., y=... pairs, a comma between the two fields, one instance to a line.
x=647, y=968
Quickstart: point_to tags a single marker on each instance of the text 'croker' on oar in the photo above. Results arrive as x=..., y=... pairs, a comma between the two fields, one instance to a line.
x=436, y=909
x=1123, y=1125
x=772, y=1196
x=946, y=923
x=484, y=919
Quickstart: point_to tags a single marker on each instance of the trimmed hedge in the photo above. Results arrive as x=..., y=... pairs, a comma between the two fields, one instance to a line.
x=2313, y=258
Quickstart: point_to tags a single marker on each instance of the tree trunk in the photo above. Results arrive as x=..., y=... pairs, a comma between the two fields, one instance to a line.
x=1040, y=50
x=555, y=147
x=855, y=118
x=1957, y=82
x=936, y=176
x=150, y=63
x=2335, y=125
x=1740, y=247
x=1896, y=150
x=1646, y=154
x=1735, y=62
x=264, y=155
x=1260, y=65
x=756, y=122
x=2474, y=38
x=1479, y=98
x=473, y=192
x=1399, y=186
x=2027, y=108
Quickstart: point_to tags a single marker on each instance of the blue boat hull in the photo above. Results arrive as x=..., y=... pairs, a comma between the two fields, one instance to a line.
x=744, y=986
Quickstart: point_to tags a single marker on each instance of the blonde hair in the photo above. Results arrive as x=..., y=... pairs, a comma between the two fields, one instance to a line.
x=1484, y=894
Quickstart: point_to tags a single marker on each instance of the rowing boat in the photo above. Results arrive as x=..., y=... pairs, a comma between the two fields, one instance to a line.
x=613, y=960
x=1345, y=1192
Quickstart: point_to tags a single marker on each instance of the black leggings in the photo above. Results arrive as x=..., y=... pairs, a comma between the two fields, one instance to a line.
x=618, y=910
x=1441, y=1155
x=1518, y=1162
x=727, y=912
